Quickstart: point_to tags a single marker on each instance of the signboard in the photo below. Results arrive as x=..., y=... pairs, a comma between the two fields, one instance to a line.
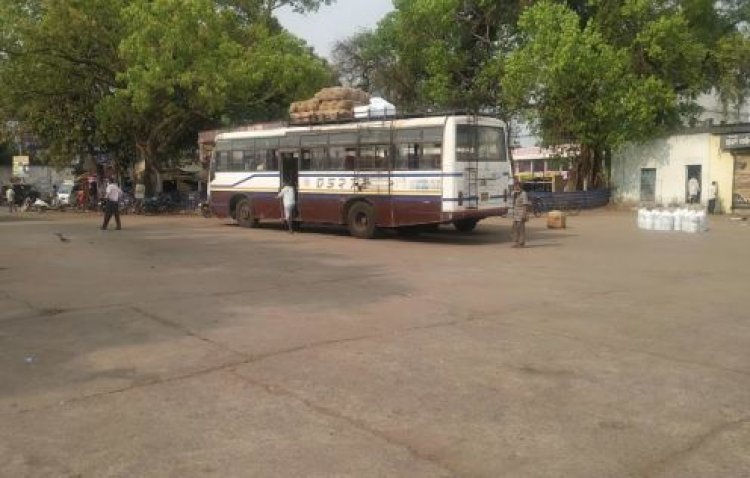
x=20, y=166
x=735, y=141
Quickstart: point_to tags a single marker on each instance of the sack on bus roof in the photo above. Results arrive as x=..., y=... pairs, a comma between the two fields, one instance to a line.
x=338, y=93
x=304, y=106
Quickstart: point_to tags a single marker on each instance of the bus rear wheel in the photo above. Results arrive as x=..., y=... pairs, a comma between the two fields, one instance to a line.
x=465, y=225
x=361, y=220
x=244, y=214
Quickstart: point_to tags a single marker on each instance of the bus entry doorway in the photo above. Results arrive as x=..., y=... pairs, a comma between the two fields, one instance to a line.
x=290, y=175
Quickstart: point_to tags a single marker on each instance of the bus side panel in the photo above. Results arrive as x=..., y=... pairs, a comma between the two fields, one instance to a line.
x=412, y=210
x=320, y=208
x=328, y=208
x=266, y=206
x=383, y=211
x=220, y=202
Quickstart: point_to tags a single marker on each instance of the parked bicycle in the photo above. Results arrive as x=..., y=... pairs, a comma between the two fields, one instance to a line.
x=539, y=206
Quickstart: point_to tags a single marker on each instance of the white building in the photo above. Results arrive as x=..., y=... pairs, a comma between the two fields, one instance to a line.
x=657, y=172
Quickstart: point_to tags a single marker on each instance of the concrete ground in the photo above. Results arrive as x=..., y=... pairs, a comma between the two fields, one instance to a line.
x=185, y=347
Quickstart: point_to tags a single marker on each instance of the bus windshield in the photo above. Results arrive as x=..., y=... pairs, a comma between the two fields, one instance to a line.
x=480, y=143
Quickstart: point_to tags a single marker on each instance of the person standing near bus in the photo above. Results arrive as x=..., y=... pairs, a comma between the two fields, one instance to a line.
x=520, y=215
x=113, y=194
x=289, y=201
x=10, y=195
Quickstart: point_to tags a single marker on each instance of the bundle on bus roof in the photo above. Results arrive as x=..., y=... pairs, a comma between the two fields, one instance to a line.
x=329, y=104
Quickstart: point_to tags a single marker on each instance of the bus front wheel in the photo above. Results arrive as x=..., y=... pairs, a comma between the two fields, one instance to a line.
x=361, y=220
x=244, y=214
x=465, y=225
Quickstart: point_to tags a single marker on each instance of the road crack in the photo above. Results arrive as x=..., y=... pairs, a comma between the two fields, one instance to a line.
x=662, y=464
x=357, y=423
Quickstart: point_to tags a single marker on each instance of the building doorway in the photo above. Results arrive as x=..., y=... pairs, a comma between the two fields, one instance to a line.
x=693, y=171
x=648, y=185
x=741, y=184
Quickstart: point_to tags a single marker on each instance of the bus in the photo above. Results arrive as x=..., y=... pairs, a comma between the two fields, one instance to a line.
x=406, y=173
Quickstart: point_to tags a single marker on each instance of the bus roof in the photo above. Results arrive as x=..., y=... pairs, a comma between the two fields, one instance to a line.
x=360, y=125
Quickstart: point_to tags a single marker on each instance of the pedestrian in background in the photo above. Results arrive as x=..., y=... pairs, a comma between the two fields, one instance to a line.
x=694, y=190
x=113, y=194
x=713, y=191
x=520, y=215
x=289, y=202
x=10, y=195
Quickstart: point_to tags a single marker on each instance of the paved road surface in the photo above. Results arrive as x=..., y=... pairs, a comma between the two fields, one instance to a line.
x=187, y=347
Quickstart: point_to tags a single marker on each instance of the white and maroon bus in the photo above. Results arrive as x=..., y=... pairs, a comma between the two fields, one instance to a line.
x=395, y=173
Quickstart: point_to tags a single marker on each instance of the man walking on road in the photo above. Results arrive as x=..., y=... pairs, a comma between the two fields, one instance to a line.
x=520, y=215
x=10, y=195
x=113, y=194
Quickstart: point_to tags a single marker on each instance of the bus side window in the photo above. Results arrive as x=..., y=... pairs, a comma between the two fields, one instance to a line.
x=432, y=156
x=272, y=160
x=349, y=159
x=407, y=157
x=373, y=158
x=254, y=161
x=318, y=159
x=306, y=160
x=335, y=159
x=222, y=161
x=237, y=162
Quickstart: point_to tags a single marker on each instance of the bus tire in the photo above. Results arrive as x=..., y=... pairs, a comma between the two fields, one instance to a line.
x=361, y=220
x=465, y=225
x=244, y=214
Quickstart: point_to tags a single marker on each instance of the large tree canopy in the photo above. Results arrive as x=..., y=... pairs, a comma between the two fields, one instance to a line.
x=114, y=76
x=593, y=73
x=428, y=53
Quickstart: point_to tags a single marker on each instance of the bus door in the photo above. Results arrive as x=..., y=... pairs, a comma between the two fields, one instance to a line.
x=289, y=165
x=468, y=155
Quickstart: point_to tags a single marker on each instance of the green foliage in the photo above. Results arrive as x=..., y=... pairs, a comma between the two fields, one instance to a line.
x=58, y=62
x=434, y=53
x=733, y=69
x=118, y=76
x=579, y=89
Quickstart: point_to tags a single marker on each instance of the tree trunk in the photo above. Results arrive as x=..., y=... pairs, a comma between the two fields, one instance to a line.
x=150, y=171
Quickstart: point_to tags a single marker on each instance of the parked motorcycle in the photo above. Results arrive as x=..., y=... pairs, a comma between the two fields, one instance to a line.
x=162, y=204
x=205, y=208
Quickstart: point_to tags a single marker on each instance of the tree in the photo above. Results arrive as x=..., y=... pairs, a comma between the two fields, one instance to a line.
x=733, y=70
x=202, y=65
x=580, y=90
x=120, y=76
x=427, y=53
x=58, y=59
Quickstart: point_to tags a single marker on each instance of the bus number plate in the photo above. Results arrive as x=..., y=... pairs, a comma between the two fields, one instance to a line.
x=485, y=197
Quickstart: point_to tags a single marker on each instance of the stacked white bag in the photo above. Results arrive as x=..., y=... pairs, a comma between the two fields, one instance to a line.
x=685, y=220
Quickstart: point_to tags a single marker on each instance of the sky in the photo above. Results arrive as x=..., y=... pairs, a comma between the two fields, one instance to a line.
x=336, y=22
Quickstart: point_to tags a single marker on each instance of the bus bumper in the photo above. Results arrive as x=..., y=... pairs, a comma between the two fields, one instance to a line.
x=477, y=214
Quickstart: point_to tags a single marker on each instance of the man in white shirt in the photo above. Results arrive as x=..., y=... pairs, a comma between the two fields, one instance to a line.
x=694, y=190
x=713, y=190
x=10, y=195
x=289, y=201
x=113, y=194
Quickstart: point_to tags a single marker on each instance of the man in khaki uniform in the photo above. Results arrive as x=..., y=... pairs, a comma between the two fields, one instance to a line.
x=520, y=214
